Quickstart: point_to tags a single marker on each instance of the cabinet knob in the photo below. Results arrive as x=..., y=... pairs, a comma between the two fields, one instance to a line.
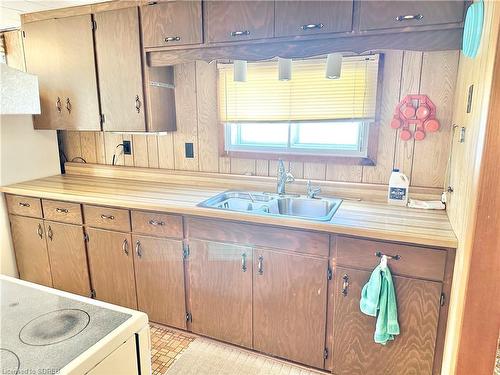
x=240, y=33
x=138, y=249
x=39, y=231
x=172, y=39
x=58, y=104
x=409, y=17
x=312, y=26
x=68, y=105
x=137, y=104
x=24, y=204
x=125, y=246
x=62, y=210
x=107, y=217
x=156, y=223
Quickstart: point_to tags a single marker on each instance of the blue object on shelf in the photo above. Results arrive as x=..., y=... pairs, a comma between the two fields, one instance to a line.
x=473, y=29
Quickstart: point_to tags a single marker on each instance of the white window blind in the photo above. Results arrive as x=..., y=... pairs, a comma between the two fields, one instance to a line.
x=308, y=96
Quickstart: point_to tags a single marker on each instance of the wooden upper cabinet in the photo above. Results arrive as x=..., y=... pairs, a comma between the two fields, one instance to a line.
x=398, y=14
x=312, y=17
x=118, y=53
x=172, y=23
x=28, y=238
x=220, y=291
x=411, y=352
x=231, y=21
x=289, y=305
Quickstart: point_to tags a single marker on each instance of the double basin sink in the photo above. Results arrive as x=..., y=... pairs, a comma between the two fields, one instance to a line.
x=295, y=206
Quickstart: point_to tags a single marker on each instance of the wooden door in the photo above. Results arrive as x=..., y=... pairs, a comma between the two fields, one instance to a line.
x=111, y=267
x=231, y=21
x=118, y=52
x=220, y=291
x=172, y=23
x=76, y=74
x=68, y=257
x=159, y=274
x=289, y=311
x=40, y=50
x=28, y=237
x=312, y=17
x=411, y=352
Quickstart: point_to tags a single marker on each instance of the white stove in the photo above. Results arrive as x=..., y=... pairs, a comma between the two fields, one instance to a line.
x=47, y=331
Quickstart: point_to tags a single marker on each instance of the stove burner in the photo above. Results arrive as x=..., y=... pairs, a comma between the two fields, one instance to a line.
x=54, y=327
x=9, y=361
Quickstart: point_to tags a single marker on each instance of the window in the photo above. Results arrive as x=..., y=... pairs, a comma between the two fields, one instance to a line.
x=308, y=115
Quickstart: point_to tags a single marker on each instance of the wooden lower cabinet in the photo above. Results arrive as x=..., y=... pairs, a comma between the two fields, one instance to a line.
x=111, y=264
x=220, y=291
x=412, y=352
x=68, y=257
x=28, y=237
x=159, y=275
x=289, y=305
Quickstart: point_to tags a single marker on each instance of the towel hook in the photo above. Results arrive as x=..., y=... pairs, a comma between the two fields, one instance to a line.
x=393, y=257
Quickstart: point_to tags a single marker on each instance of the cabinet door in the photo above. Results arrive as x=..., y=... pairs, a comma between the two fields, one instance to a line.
x=76, y=74
x=118, y=51
x=411, y=352
x=68, y=257
x=40, y=51
x=312, y=17
x=231, y=21
x=397, y=14
x=28, y=237
x=171, y=23
x=159, y=274
x=111, y=267
x=220, y=291
x=289, y=311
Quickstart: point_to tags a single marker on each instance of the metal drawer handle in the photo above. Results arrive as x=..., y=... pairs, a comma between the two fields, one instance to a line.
x=24, y=204
x=58, y=104
x=107, y=217
x=312, y=26
x=409, y=17
x=172, y=39
x=49, y=233
x=137, y=104
x=138, y=249
x=345, y=284
x=62, y=210
x=260, y=265
x=393, y=257
x=244, y=262
x=156, y=223
x=240, y=33
x=68, y=105
x=125, y=246
x=39, y=230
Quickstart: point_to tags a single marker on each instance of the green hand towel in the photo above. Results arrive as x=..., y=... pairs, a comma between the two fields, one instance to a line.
x=378, y=296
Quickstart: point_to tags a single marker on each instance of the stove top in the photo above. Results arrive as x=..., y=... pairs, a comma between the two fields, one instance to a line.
x=42, y=332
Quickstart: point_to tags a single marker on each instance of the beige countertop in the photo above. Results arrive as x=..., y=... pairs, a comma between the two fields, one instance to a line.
x=356, y=218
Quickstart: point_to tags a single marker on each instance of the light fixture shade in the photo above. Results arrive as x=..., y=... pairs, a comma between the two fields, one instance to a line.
x=333, y=65
x=284, y=69
x=240, y=71
x=19, y=92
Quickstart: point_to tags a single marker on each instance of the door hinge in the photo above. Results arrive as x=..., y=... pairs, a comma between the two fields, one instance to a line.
x=102, y=119
x=185, y=251
x=442, y=299
x=325, y=353
x=189, y=317
x=329, y=273
x=86, y=237
x=93, y=25
x=92, y=293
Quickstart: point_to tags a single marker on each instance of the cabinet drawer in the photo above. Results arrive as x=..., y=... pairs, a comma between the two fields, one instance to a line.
x=107, y=218
x=157, y=224
x=25, y=206
x=397, y=14
x=414, y=261
x=65, y=212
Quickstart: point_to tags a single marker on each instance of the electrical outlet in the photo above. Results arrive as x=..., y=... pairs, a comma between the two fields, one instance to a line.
x=127, y=147
x=189, y=150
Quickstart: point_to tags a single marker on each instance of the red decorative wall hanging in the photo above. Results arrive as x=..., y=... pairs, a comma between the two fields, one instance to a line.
x=416, y=110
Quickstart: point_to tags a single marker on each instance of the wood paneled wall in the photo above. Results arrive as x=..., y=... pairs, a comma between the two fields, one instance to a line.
x=405, y=72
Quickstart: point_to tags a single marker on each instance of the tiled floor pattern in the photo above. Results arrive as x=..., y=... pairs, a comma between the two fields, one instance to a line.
x=166, y=346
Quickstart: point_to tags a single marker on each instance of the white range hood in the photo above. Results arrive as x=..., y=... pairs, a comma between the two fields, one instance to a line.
x=18, y=92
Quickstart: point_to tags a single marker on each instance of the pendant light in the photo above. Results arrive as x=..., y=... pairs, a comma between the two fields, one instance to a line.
x=333, y=65
x=240, y=71
x=284, y=69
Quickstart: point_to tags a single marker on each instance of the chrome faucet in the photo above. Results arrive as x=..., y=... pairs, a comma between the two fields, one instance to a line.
x=283, y=178
x=312, y=191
